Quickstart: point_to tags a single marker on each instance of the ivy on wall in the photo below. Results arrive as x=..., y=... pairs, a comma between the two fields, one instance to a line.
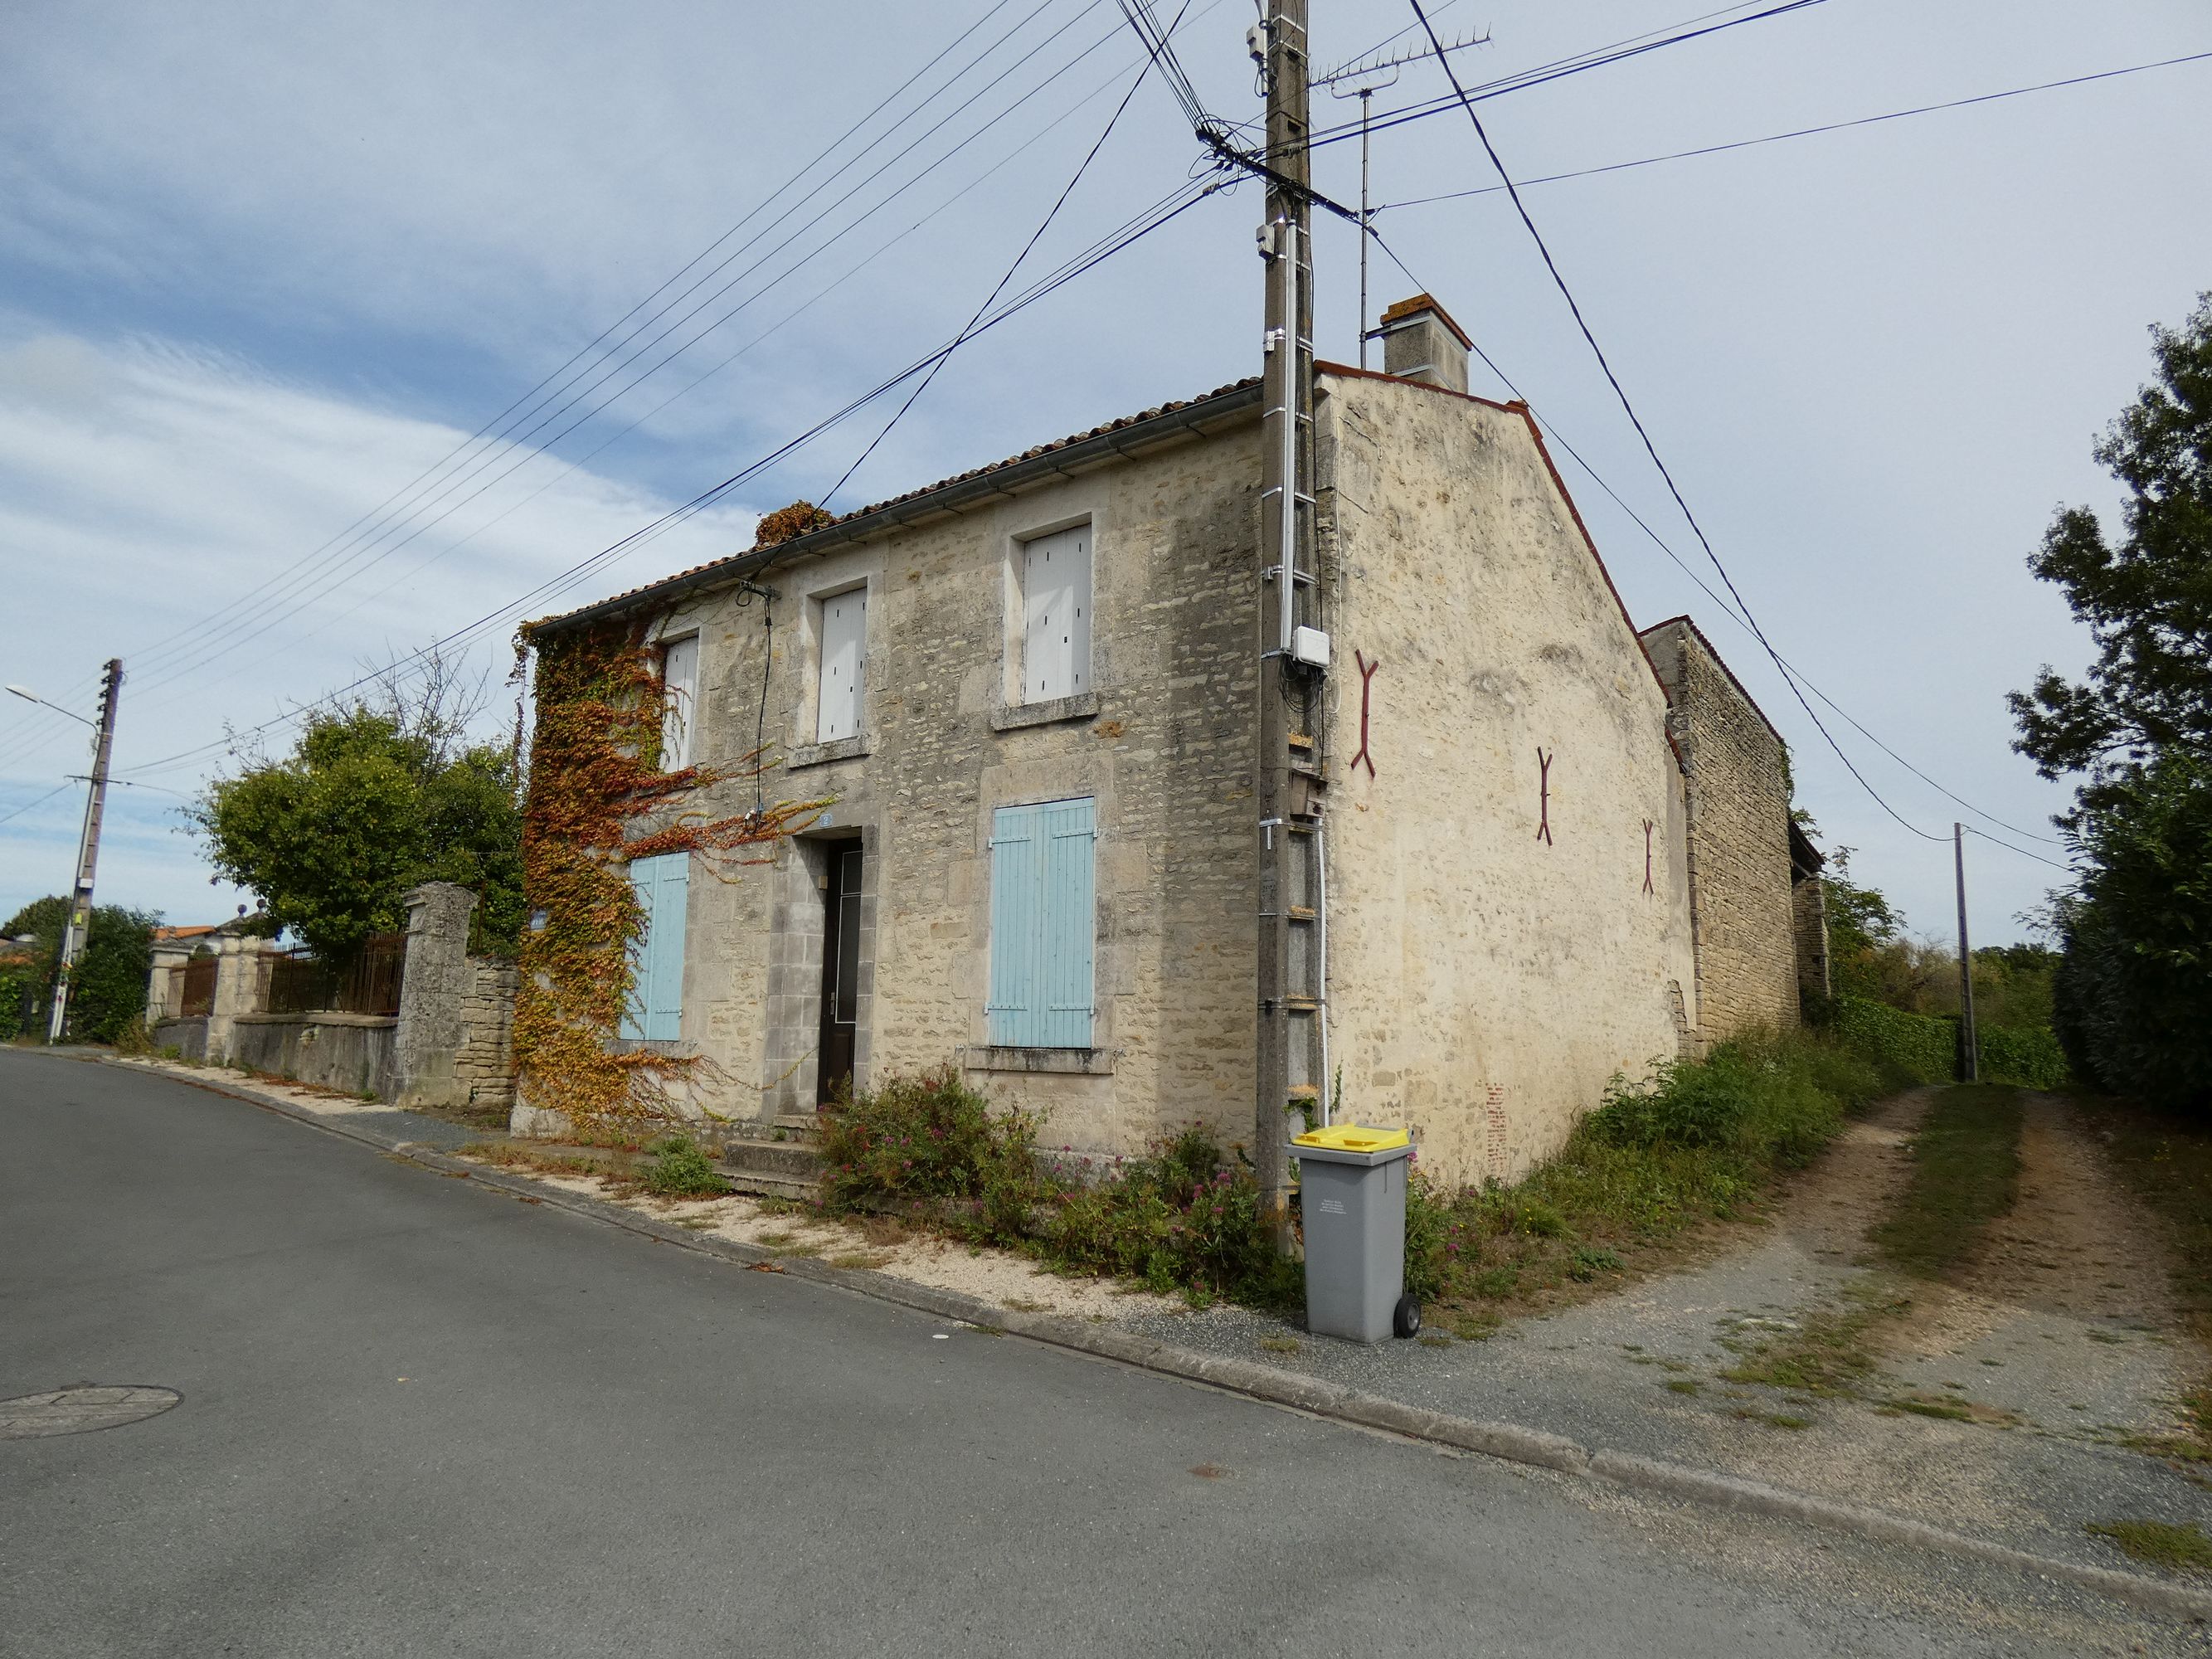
x=594, y=772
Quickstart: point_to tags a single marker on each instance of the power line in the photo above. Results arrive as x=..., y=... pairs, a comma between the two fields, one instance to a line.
x=1650, y=448
x=41, y=801
x=1170, y=207
x=1728, y=607
x=880, y=249
x=1544, y=74
x=1059, y=202
x=1803, y=132
x=155, y=655
x=2070, y=869
x=633, y=352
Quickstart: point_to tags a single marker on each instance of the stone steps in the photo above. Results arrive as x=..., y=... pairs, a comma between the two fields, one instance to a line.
x=754, y=1160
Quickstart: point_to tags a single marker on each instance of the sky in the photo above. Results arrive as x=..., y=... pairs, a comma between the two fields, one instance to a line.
x=305, y=359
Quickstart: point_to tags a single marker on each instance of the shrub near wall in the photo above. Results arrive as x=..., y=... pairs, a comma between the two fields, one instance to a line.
x=1924, y=1046
x=2030, y=1057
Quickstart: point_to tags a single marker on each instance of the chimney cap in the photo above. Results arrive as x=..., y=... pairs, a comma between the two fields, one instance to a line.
x=1406, y=309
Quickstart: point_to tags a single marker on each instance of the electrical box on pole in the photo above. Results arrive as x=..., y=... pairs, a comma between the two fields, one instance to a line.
x=1289, y=1014
x=78, y=927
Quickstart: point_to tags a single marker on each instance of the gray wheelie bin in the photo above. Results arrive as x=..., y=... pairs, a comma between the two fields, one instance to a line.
x=1351, y=1181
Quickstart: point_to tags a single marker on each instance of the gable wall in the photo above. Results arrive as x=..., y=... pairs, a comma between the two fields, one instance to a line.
x=1739, y=843
x=1484, y=984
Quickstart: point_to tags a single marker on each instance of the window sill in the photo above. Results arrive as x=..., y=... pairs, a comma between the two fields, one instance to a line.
x=820, y=754
x=1077, y=1062
x=1082, y=706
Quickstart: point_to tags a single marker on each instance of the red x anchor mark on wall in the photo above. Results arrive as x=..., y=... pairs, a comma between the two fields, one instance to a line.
x=1366, y=692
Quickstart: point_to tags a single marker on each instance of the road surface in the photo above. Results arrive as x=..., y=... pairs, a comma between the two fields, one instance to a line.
x=420, y=1418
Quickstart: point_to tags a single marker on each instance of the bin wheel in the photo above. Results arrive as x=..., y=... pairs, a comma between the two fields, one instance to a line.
x=1405, y=1317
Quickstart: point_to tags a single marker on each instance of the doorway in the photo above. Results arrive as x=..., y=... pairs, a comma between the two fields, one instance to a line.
x=841, y=973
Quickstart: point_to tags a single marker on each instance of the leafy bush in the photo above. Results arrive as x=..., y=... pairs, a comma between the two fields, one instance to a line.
x=680, y=1169
x=107, y=988
x=1182, y=1218
x=927, y=1137
x=2028, y=1056
x=1923, y=1048
x=1771, y=1100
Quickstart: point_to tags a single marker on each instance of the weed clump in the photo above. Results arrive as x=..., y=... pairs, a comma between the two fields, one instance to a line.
x=1184, y=1217
x=678, y=1169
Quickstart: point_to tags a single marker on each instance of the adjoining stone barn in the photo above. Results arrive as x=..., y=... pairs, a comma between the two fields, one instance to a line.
x=1535, y=848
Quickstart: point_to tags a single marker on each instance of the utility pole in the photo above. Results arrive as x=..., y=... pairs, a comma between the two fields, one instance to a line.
x=1288, y=1012
x=79, y=926
x=1970, y=1065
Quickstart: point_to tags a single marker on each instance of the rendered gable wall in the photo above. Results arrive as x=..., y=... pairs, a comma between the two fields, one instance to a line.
x=1485, y=983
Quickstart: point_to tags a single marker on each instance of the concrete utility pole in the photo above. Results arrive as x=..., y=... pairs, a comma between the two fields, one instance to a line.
x=1970, y=1061
x=1289, y=1011
x=79, y=925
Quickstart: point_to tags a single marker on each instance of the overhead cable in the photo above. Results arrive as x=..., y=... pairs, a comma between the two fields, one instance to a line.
x=1163, y=212
x=1801, y=132
x=1651, y=449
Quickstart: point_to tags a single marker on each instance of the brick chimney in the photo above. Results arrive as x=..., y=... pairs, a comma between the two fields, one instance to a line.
x=1420, y=341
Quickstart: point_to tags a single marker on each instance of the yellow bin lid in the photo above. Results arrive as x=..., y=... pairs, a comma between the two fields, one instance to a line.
x=1352, y=1137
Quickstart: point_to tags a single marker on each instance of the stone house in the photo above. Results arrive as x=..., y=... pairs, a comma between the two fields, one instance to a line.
x=1542, y=848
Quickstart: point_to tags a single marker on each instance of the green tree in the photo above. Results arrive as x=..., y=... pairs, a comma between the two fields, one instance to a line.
x=2147, y=598
x=370, y=802
x=107, y=991
x=1863, y=929
x=2133, y=994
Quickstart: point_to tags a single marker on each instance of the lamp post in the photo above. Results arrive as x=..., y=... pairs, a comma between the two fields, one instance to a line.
x=79, y=924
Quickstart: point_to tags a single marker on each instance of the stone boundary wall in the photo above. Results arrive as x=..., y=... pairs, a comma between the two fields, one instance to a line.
x=351, y=1053
x=485, y=1063
x=451, y=1044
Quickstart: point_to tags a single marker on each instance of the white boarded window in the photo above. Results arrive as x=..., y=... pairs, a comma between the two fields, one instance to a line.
x=844, y=665
x=1056, y=615
x=679, y=680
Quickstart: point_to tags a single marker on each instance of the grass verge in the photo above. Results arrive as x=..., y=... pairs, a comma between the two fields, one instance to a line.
x=1966, y=1173
x=1829, y=1356
x=1691, y=1145
x=2182, y=1548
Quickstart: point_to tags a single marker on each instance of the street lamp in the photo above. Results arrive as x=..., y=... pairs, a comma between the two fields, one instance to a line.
x=29, y=695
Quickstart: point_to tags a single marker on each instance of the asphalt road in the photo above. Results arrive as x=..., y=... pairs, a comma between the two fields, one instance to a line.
x=420, y=1418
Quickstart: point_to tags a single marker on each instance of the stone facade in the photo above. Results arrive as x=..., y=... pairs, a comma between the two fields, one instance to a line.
x=1162, y=743
x=1510, y=813
x=1738, y=845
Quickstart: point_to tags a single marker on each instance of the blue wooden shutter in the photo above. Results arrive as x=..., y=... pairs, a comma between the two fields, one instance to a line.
x=1017, y=924
x=1070, y=925
x=1042, y=925
x=664, y=1021
x=655, y=1008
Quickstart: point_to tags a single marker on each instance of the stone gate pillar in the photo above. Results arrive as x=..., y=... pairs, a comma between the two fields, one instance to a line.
x=242, y=987
x=433, y=988
x=165, y=981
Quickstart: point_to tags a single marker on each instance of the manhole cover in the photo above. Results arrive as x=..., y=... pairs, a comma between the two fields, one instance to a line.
x=80, y=1411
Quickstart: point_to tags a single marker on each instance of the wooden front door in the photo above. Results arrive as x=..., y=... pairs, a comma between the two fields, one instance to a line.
x=840, y=974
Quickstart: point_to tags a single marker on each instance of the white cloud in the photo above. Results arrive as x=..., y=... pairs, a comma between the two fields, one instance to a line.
x=144, y=488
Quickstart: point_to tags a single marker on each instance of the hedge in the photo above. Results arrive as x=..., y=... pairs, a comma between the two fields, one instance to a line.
x=1925, y=1045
